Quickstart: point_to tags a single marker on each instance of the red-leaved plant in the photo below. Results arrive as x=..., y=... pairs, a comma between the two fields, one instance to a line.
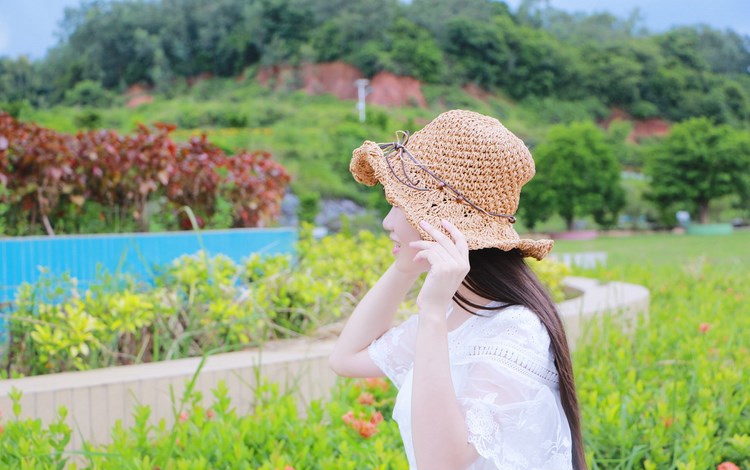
x=46, y=171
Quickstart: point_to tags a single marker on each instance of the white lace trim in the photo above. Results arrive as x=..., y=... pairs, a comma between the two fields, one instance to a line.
x=516, y=360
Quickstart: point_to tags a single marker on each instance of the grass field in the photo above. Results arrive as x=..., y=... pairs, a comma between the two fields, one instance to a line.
x=731, y=252
x=676, y=393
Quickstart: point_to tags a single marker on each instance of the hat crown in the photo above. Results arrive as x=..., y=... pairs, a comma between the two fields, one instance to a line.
x=475, y=154
x=463, y=167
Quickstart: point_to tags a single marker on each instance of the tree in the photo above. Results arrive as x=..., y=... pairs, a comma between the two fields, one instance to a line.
x=697, y=163
x=577, y=175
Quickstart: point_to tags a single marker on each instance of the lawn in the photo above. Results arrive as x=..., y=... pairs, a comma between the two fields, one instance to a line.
x=731, y=252
x=676, y=393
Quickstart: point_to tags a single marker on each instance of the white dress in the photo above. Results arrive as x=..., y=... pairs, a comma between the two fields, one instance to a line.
x=506, y=382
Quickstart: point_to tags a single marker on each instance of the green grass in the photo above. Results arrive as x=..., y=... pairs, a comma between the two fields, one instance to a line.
x=673, y=394
x=731, y=252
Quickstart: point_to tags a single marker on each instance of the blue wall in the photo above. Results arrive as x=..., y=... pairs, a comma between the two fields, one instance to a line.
x=20, y=258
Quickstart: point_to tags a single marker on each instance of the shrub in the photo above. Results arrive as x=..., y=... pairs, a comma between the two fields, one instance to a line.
x=89, y=93
x=51, y=176
x=27, y=443
x=195, y=305
x=199, y=304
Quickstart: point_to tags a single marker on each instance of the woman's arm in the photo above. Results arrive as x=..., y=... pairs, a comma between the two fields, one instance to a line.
x=371, y=318
x=439, y=430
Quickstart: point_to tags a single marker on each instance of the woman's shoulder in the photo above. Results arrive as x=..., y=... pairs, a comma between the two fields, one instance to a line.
x=517, y=325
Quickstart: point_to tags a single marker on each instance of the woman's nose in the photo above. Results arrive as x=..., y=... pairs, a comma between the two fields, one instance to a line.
x=387, y=225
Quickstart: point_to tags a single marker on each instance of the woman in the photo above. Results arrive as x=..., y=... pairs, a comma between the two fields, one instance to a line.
x=483, y=369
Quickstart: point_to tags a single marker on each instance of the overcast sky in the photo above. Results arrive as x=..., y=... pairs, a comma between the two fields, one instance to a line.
x=28, y=27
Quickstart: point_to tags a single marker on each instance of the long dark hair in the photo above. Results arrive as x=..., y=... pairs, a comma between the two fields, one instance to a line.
x=504, y=276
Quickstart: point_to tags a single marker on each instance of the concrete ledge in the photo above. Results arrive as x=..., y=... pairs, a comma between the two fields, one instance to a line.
x=97, y=399
x=622, y=302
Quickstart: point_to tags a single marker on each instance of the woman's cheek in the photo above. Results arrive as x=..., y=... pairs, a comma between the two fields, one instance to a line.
x=405, y=258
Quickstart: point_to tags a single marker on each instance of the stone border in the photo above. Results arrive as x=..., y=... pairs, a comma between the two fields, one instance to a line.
x=624, y=302
x=97, y=399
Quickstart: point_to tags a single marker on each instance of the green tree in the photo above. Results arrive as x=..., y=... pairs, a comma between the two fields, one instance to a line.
x=577, y=175
x=696, y=163
x=89, y=93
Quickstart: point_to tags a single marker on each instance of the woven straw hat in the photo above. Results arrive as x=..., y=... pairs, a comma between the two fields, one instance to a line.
x=464, y=167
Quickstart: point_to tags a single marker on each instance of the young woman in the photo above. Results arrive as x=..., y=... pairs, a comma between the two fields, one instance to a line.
x=483, y=369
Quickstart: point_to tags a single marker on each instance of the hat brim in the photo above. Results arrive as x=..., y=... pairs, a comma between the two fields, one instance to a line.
x=369, y=167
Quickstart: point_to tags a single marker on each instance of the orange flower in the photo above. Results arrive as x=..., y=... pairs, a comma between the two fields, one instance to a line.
x=727, y=466
x=366, y=398
x=704, y=327
x=288, y=467
x=375, y=383
x=668, y=422
x=210, y=413
x=366, y=428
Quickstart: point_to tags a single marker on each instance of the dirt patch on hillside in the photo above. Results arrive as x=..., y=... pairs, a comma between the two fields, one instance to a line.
x=337, y=78
x=138, y=95
x=642, y=128
x=392, y=90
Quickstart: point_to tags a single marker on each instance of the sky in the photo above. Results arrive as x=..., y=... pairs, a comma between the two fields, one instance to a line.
x=29, y=27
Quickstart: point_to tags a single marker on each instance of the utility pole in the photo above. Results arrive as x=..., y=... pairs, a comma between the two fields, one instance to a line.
x=363, y=89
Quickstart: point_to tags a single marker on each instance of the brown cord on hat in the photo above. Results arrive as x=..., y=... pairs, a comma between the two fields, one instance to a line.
x=402, y=137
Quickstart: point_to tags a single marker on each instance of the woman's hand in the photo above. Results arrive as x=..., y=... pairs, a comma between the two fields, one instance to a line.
x=449, y=264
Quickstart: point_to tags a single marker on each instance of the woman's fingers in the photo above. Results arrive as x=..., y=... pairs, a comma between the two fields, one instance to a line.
x=458, y=238
x=434, y=233
x=458, y=241
x=431, y=252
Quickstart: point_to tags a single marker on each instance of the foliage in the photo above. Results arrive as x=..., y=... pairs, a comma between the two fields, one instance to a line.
x=669, y=393
x=30, y=444
x=195, y=305
x=57, y=176
x=198, y=304
x=536, y=52
x=577, y=175
x=89, y=93
x=4, y=207
x=209, y=432
x=697, y=163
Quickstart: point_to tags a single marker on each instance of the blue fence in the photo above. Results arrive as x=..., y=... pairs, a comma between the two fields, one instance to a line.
x=81, y=255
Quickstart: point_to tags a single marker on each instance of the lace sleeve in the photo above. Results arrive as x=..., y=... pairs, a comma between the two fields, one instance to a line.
x=509, y=394
x=393, y=352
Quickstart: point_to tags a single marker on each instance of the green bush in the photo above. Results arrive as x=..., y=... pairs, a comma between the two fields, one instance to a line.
x=672, y=393
x=352, y=431
x=89, y=93
x=195, y=305
x=198, y=305
x=4, y=208
x=29, y=444
x=88, y=119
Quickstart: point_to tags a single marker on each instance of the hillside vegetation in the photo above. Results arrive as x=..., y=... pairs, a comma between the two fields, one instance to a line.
x=536, y=52
x=534, y=69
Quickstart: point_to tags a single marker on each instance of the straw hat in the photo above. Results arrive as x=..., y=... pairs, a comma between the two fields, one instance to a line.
x=464, y=167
